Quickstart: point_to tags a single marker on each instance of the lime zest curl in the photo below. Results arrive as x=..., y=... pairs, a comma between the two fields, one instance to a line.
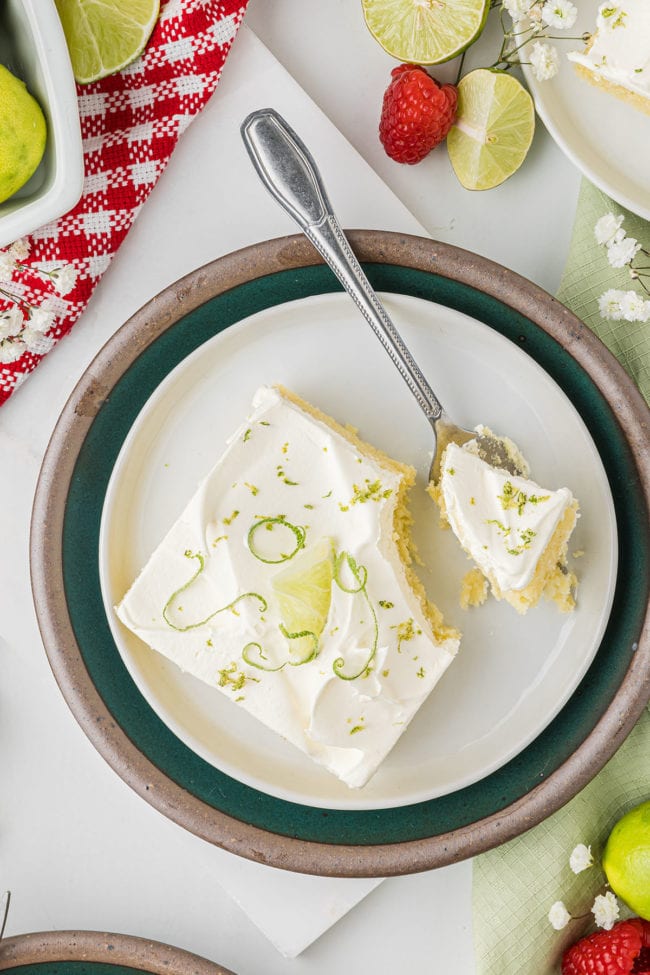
x=360, y=574
x=230, y=606
x=250, y=648
x=246, y=655
x=299, y=533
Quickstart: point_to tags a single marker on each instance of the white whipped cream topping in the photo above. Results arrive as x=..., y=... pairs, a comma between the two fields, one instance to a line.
x=282, y=461
x=503, y=522
x=620, y=51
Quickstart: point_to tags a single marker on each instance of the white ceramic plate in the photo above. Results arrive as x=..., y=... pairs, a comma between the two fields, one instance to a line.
x=512, y=675
x=607, y=139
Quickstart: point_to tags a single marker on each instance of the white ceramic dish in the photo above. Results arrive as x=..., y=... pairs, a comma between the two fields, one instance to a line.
x=513, y=674
x=607, y=139
x=33, y=47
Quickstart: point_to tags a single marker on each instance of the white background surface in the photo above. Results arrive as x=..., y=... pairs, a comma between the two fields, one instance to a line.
x=77, y=847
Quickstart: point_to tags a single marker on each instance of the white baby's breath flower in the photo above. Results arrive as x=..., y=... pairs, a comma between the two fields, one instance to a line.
x=11, y=350
x=40, y=320
x=634, y=308
x=610, y=304
x=560, y=14
x=20, y=249
x=7, y=265
x=35, y=341
x=535, y=14
x=11, y=322
x=581, y=858
x=621, y=252
x=544, y=61
x=64, y=279
x=605, y=910
x=518, y=9
x=607, y=227
x=558, y=916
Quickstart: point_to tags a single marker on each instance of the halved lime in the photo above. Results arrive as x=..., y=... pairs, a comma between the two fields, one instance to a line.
x=494, y=128
x=425, y=31
x=304, y=591
x=626, y=860
x=105, y=35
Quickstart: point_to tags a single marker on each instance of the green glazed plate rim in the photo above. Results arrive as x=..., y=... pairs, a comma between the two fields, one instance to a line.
x=121, y=724
x=98, y=953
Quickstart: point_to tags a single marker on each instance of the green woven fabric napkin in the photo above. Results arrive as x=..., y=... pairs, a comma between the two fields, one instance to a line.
x=588, y=275
x=516, y=884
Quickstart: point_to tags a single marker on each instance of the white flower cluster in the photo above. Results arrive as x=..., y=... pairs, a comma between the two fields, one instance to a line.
x=581, y=858
x=23, y=326
x=605, y=910
x=624, y=305
x=615, y=304
x=621, y=249
x=535, y=17
x=605, y=907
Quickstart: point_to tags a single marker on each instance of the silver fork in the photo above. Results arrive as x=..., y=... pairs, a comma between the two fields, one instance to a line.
x=288, y=171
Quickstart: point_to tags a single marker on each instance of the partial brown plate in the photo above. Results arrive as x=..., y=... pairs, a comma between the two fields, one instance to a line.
x=37, y=954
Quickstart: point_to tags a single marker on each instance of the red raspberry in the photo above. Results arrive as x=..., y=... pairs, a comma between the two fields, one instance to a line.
x=416, y=115
x=625, y=950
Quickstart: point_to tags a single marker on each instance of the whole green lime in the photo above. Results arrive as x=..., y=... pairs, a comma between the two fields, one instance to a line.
x=23, y=133
x=626, y=860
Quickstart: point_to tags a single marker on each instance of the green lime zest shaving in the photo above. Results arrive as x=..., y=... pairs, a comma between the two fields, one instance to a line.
x=407, y=630
x=254, y=655
x=360, y=575
x=359, y=572
x=247, y=656
x=194, y=626
x=231, y=677
x=298, y=530
x=313, y=640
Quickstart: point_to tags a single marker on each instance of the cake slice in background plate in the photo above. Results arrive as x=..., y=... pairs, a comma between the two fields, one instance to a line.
x=617, y=56
x=515, y=531
x=286, y=585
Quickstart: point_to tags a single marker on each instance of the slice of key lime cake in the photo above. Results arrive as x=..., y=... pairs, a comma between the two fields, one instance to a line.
x=617, y=55
x=515, y=531
x=287, y=585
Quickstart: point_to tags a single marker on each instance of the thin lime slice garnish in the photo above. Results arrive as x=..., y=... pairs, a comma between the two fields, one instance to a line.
x=304, y=595
x=494, y=128
x=425, y=31
x=105, y=35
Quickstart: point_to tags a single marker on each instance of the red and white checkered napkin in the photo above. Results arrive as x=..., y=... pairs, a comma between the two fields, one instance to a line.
x=130, y=124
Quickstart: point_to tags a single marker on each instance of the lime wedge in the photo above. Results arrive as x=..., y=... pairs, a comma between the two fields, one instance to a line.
x=304, y=592
x=105, y=35
x=425, y=31
x=494, y=128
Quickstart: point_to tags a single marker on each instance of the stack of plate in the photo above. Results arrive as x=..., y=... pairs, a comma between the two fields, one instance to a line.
x=533, y=706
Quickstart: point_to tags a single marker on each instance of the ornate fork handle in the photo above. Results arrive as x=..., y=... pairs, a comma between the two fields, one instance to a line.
x=290, y=174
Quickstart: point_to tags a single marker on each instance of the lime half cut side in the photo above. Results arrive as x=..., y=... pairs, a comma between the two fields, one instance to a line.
x=425, y=31
x=304, y=593
x=105, y=35
x=495, y=124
